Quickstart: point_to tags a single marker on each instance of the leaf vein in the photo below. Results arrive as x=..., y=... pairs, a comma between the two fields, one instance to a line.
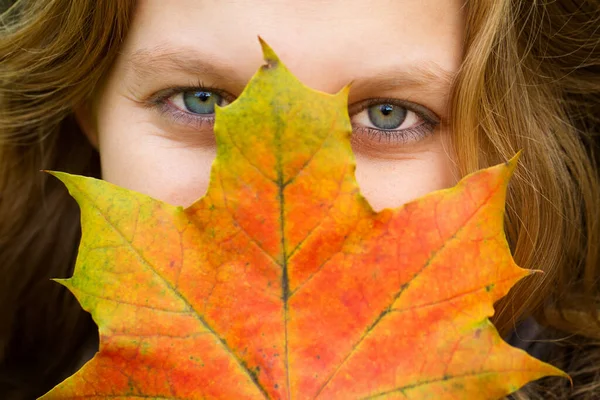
x=403, y=288
x=147, y=264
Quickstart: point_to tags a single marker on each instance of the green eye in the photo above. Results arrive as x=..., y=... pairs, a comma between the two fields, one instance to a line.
x=201, y=102
x=386, y=116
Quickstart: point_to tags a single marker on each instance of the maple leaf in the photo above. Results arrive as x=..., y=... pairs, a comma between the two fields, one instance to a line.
x=282, y=282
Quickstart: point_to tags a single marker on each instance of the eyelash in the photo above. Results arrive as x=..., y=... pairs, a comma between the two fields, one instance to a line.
x=160, y=101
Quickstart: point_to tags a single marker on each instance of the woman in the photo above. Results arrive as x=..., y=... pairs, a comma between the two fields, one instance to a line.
x=125, y=91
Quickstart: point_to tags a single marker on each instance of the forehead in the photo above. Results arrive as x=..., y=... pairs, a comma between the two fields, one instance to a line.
x=325, y=43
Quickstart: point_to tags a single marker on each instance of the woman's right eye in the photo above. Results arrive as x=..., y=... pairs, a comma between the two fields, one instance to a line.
x=201, y=102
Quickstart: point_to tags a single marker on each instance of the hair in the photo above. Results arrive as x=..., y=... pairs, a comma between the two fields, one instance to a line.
x=530, y=80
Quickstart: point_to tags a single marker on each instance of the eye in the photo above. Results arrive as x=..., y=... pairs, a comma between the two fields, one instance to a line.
x=392, y=121
x=201, y=102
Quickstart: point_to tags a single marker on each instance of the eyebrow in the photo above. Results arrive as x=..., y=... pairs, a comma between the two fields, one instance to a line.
x=427, y=76
x=146, y=63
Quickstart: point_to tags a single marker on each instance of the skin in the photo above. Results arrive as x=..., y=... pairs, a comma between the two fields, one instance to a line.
x=406, y=50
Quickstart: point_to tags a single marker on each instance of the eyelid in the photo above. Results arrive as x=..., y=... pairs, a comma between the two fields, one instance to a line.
x=422, y=111
x=161, y=96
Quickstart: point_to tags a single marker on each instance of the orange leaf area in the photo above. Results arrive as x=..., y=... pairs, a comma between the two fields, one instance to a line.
x=283, y=283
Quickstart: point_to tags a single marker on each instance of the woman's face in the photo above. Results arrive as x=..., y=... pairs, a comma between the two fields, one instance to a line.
x=153, y=118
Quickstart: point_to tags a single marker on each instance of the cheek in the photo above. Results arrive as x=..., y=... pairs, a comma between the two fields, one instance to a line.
x=157, y=167
x=185, y=177
x=390, y=184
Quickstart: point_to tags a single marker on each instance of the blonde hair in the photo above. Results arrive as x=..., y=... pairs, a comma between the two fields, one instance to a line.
x=530, y=80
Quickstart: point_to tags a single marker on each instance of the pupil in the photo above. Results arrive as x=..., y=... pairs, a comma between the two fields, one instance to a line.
x=203, y=96
x=386, y=109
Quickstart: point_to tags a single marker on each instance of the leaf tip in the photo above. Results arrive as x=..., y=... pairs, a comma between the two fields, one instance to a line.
x=535, y=271
x=53, y=173
x=512, y=163
x=64, y=177
x=268, y=54
x=345, y=91
x=64, y=282
x=551, y=370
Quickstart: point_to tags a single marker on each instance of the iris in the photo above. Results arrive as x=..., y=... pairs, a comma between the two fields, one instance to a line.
x=201, y=102
x=387, y=116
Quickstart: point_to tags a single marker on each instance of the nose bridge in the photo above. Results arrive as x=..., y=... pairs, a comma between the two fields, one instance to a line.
x=319, y=67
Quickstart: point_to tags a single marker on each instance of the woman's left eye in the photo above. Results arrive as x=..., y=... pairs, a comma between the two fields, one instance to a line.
x=200, y=102
x=392, y=121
